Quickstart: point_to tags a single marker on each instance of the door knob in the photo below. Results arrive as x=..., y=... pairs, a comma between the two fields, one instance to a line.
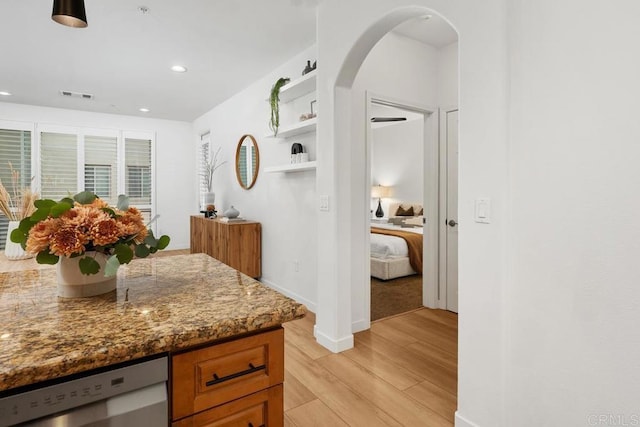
x=452, y=223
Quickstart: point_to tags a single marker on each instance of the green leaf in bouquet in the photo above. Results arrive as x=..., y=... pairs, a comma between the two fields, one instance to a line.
x=142, y=251
x=17, y=236
x=163, y=242
x=46, y=257
x=88, y=265
x=60, y=208
x=151, y=240
x=124, y=253
x=25, y=225
x=67, y=200
x=44, y=203
x=44, y=207
x=85, y=197
x=111, y=267
x=123, y=202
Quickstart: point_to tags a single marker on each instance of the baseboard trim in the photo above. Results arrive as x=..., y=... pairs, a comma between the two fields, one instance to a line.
x=310, y=305
x=360, y=325
x=335, y=346
x=463, y=422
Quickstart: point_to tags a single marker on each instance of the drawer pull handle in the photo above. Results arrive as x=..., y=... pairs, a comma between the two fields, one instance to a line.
x=251, y=370
x=261, y=425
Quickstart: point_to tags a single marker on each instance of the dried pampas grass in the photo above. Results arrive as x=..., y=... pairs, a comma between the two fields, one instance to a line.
x=17, y=204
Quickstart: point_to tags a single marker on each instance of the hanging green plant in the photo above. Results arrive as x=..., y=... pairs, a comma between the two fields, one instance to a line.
x=274, y=100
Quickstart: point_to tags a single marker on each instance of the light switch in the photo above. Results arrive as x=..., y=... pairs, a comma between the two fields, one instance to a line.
x=483, y=211
x=324, y=203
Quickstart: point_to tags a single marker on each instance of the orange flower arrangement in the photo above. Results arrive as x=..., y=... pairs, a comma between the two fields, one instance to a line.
x=72, y=227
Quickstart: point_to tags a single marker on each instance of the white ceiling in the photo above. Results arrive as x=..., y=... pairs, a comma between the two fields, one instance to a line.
x=123, y=57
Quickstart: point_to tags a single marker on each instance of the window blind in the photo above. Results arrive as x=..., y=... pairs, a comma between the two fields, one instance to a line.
x=100, y=167
x=15, y=148
x=58, y=159
x=203, y=159
x=137, y=157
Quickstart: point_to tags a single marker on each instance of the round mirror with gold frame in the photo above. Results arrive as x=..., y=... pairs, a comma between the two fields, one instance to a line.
x=247, y=161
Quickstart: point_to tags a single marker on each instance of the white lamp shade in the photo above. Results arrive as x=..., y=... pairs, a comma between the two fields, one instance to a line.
x=380, y=192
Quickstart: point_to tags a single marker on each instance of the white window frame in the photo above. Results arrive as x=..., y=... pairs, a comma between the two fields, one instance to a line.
x=151, y=136
x=36, y=129
x=23, y=126
x=204, y=153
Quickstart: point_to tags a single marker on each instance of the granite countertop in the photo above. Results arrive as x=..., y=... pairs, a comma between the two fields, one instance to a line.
x=161, y=305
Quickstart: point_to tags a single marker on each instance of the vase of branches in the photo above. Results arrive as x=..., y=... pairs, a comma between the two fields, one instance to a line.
x=210, y=166
x=16, y=203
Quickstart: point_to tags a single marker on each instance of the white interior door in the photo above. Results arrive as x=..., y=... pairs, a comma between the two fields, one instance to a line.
x=452, y=211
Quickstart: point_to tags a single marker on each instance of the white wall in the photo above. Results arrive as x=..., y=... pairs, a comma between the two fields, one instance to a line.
x=346, y=33
x=396, y=161
x=448, y=76
x=174, y=163
x=283, y=203
x=573, y=350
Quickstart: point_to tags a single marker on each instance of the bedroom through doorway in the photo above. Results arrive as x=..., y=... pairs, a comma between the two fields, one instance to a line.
x=396, y=146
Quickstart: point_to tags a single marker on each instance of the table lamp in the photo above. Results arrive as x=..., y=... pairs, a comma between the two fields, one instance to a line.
x=379, y=191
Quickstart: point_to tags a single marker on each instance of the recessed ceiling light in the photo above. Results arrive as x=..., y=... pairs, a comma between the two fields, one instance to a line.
x=4, y=93
x=179, y=69
x=144, y=110
x=427, y=17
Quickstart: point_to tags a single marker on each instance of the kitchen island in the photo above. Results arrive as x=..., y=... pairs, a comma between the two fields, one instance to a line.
x=161, y=305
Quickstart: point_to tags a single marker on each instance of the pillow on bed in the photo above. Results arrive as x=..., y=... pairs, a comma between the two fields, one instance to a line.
x=404, y=212
x=420, y=211
x=396, y=220
x=415, y=221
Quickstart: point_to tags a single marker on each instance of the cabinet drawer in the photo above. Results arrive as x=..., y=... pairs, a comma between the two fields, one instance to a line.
x=211, y=376
x=261, y=409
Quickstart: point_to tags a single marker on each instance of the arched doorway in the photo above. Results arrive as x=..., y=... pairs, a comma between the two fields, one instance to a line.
x=350, y=119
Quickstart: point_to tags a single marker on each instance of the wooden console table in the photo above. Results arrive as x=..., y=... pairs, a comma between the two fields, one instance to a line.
x=237, y=244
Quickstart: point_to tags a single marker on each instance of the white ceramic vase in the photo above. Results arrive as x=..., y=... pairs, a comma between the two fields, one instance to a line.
x=13, y=251
x=73, y=284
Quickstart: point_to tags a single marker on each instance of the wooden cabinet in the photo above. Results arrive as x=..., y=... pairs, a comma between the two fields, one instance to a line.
x=237, y=244
x=234, y=383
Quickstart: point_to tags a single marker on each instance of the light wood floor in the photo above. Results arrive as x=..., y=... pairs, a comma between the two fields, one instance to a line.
x=402, y=372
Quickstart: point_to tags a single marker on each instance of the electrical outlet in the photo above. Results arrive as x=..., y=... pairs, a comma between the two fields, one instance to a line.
x=296, y=266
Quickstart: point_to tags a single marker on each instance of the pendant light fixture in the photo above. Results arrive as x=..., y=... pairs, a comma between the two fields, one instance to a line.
x=70, y=13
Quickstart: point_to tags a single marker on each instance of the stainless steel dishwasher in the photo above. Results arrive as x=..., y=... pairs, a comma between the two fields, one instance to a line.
x=127, y=396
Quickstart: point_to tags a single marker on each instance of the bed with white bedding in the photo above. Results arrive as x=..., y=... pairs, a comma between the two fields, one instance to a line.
x=390, y=254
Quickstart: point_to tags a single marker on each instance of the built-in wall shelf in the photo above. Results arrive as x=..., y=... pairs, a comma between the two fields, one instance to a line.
x=298, y=87
x=294, y=167
x=299, y=128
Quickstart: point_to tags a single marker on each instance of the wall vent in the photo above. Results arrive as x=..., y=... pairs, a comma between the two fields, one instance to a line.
x=76, y=94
